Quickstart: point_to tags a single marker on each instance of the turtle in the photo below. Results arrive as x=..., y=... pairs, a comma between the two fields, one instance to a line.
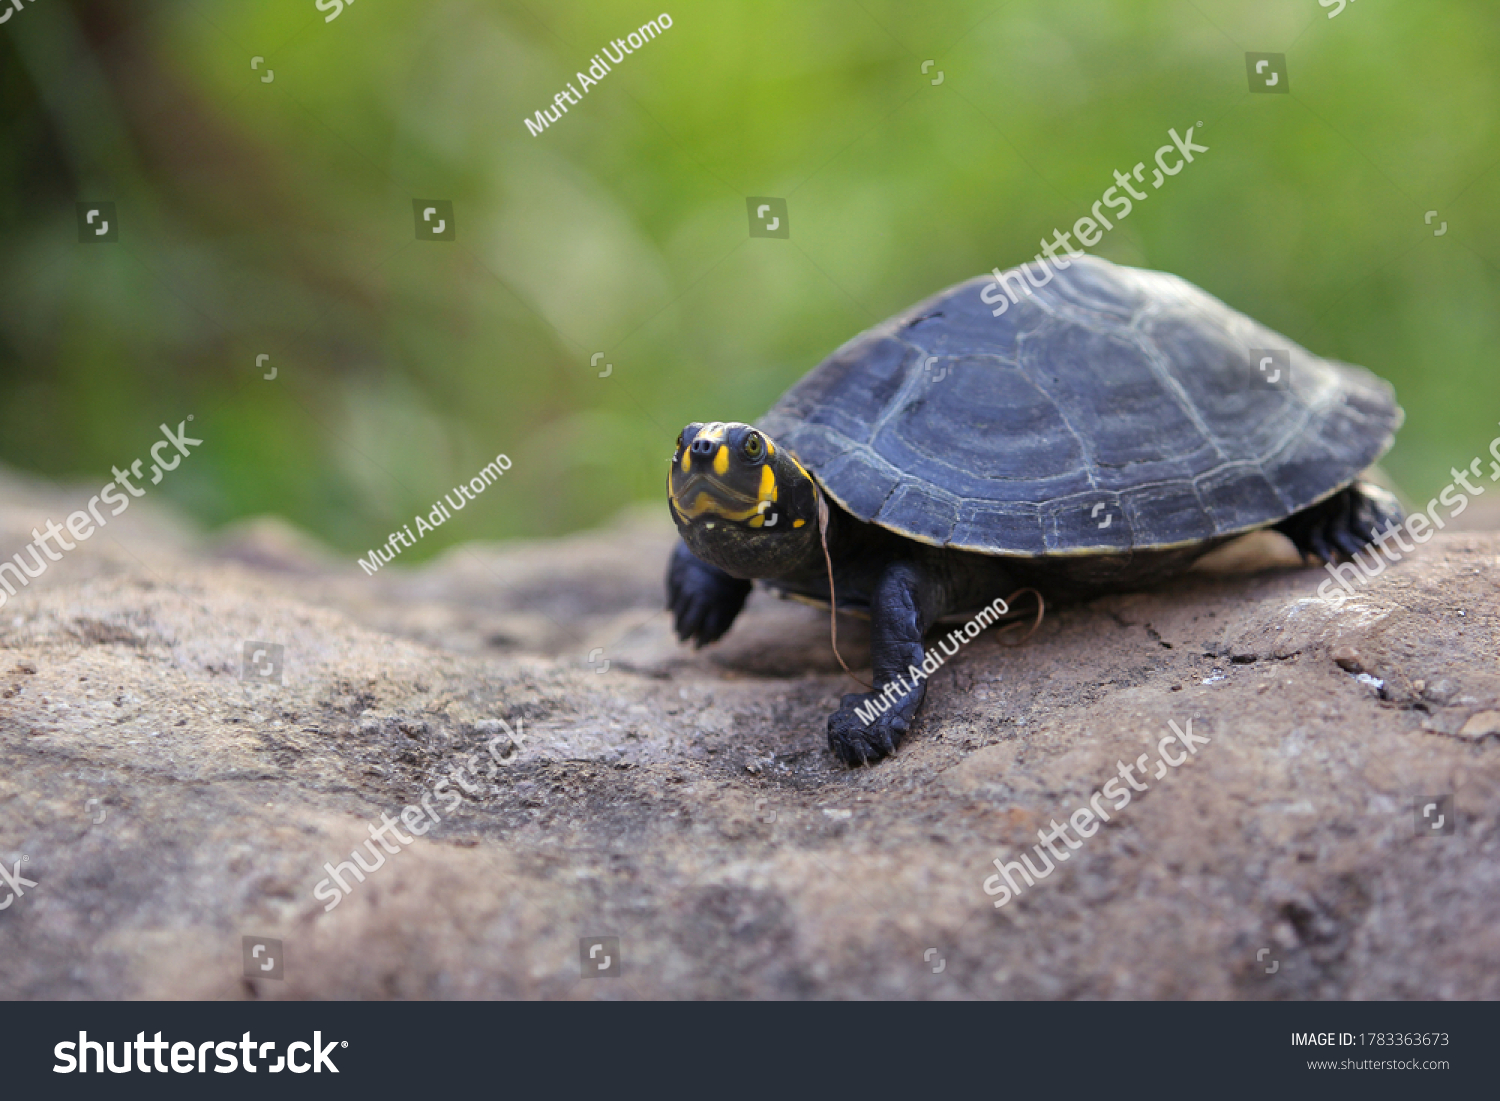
x=1096, y=432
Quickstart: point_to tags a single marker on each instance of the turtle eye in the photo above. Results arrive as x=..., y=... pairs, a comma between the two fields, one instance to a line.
x=679, y=441
x=753, y=447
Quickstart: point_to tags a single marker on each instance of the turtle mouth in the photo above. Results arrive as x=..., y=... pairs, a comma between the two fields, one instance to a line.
x=699, y=494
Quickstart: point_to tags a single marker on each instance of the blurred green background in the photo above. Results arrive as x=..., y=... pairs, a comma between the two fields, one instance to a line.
x=275, y=217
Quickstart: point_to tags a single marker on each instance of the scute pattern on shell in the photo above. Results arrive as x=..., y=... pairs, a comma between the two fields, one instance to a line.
x=1112, y=409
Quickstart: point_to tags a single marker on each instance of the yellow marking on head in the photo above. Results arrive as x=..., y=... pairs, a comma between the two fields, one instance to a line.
x=687, y=461
x=713, y=433
x=757, y=521
x=798, y=523
x=767, y=483
x=800, y=467
x=706, y=504
x=721, y=460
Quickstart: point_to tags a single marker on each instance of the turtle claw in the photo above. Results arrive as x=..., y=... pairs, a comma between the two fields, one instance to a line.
x=855, y=743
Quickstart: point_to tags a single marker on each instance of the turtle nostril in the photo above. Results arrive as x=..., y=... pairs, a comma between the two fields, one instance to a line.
x=702, y=447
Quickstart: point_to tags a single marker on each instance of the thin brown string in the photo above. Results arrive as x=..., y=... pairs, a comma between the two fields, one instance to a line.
x=833, y=603
x=1041, y=611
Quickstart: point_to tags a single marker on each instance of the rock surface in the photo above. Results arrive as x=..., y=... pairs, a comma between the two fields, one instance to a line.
x=166, y=805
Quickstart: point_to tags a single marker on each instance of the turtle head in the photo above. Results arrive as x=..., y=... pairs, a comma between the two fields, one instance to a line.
x=740, y=502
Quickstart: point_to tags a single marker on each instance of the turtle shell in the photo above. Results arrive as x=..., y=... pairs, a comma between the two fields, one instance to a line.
x=1108, y=409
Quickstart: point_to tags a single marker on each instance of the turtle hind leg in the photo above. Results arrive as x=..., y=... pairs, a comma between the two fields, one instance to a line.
x=703, y=599
x=1352, y=519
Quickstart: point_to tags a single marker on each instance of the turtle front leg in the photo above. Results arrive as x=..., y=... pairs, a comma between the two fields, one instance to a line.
x=870, y=725
x=703, y=599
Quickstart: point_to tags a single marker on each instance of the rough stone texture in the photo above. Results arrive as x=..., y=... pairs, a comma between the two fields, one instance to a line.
x=686, y=802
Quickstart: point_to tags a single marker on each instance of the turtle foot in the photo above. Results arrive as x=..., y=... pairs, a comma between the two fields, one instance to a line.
x=856, y=742
x=1336, y=529
x=703, y=599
